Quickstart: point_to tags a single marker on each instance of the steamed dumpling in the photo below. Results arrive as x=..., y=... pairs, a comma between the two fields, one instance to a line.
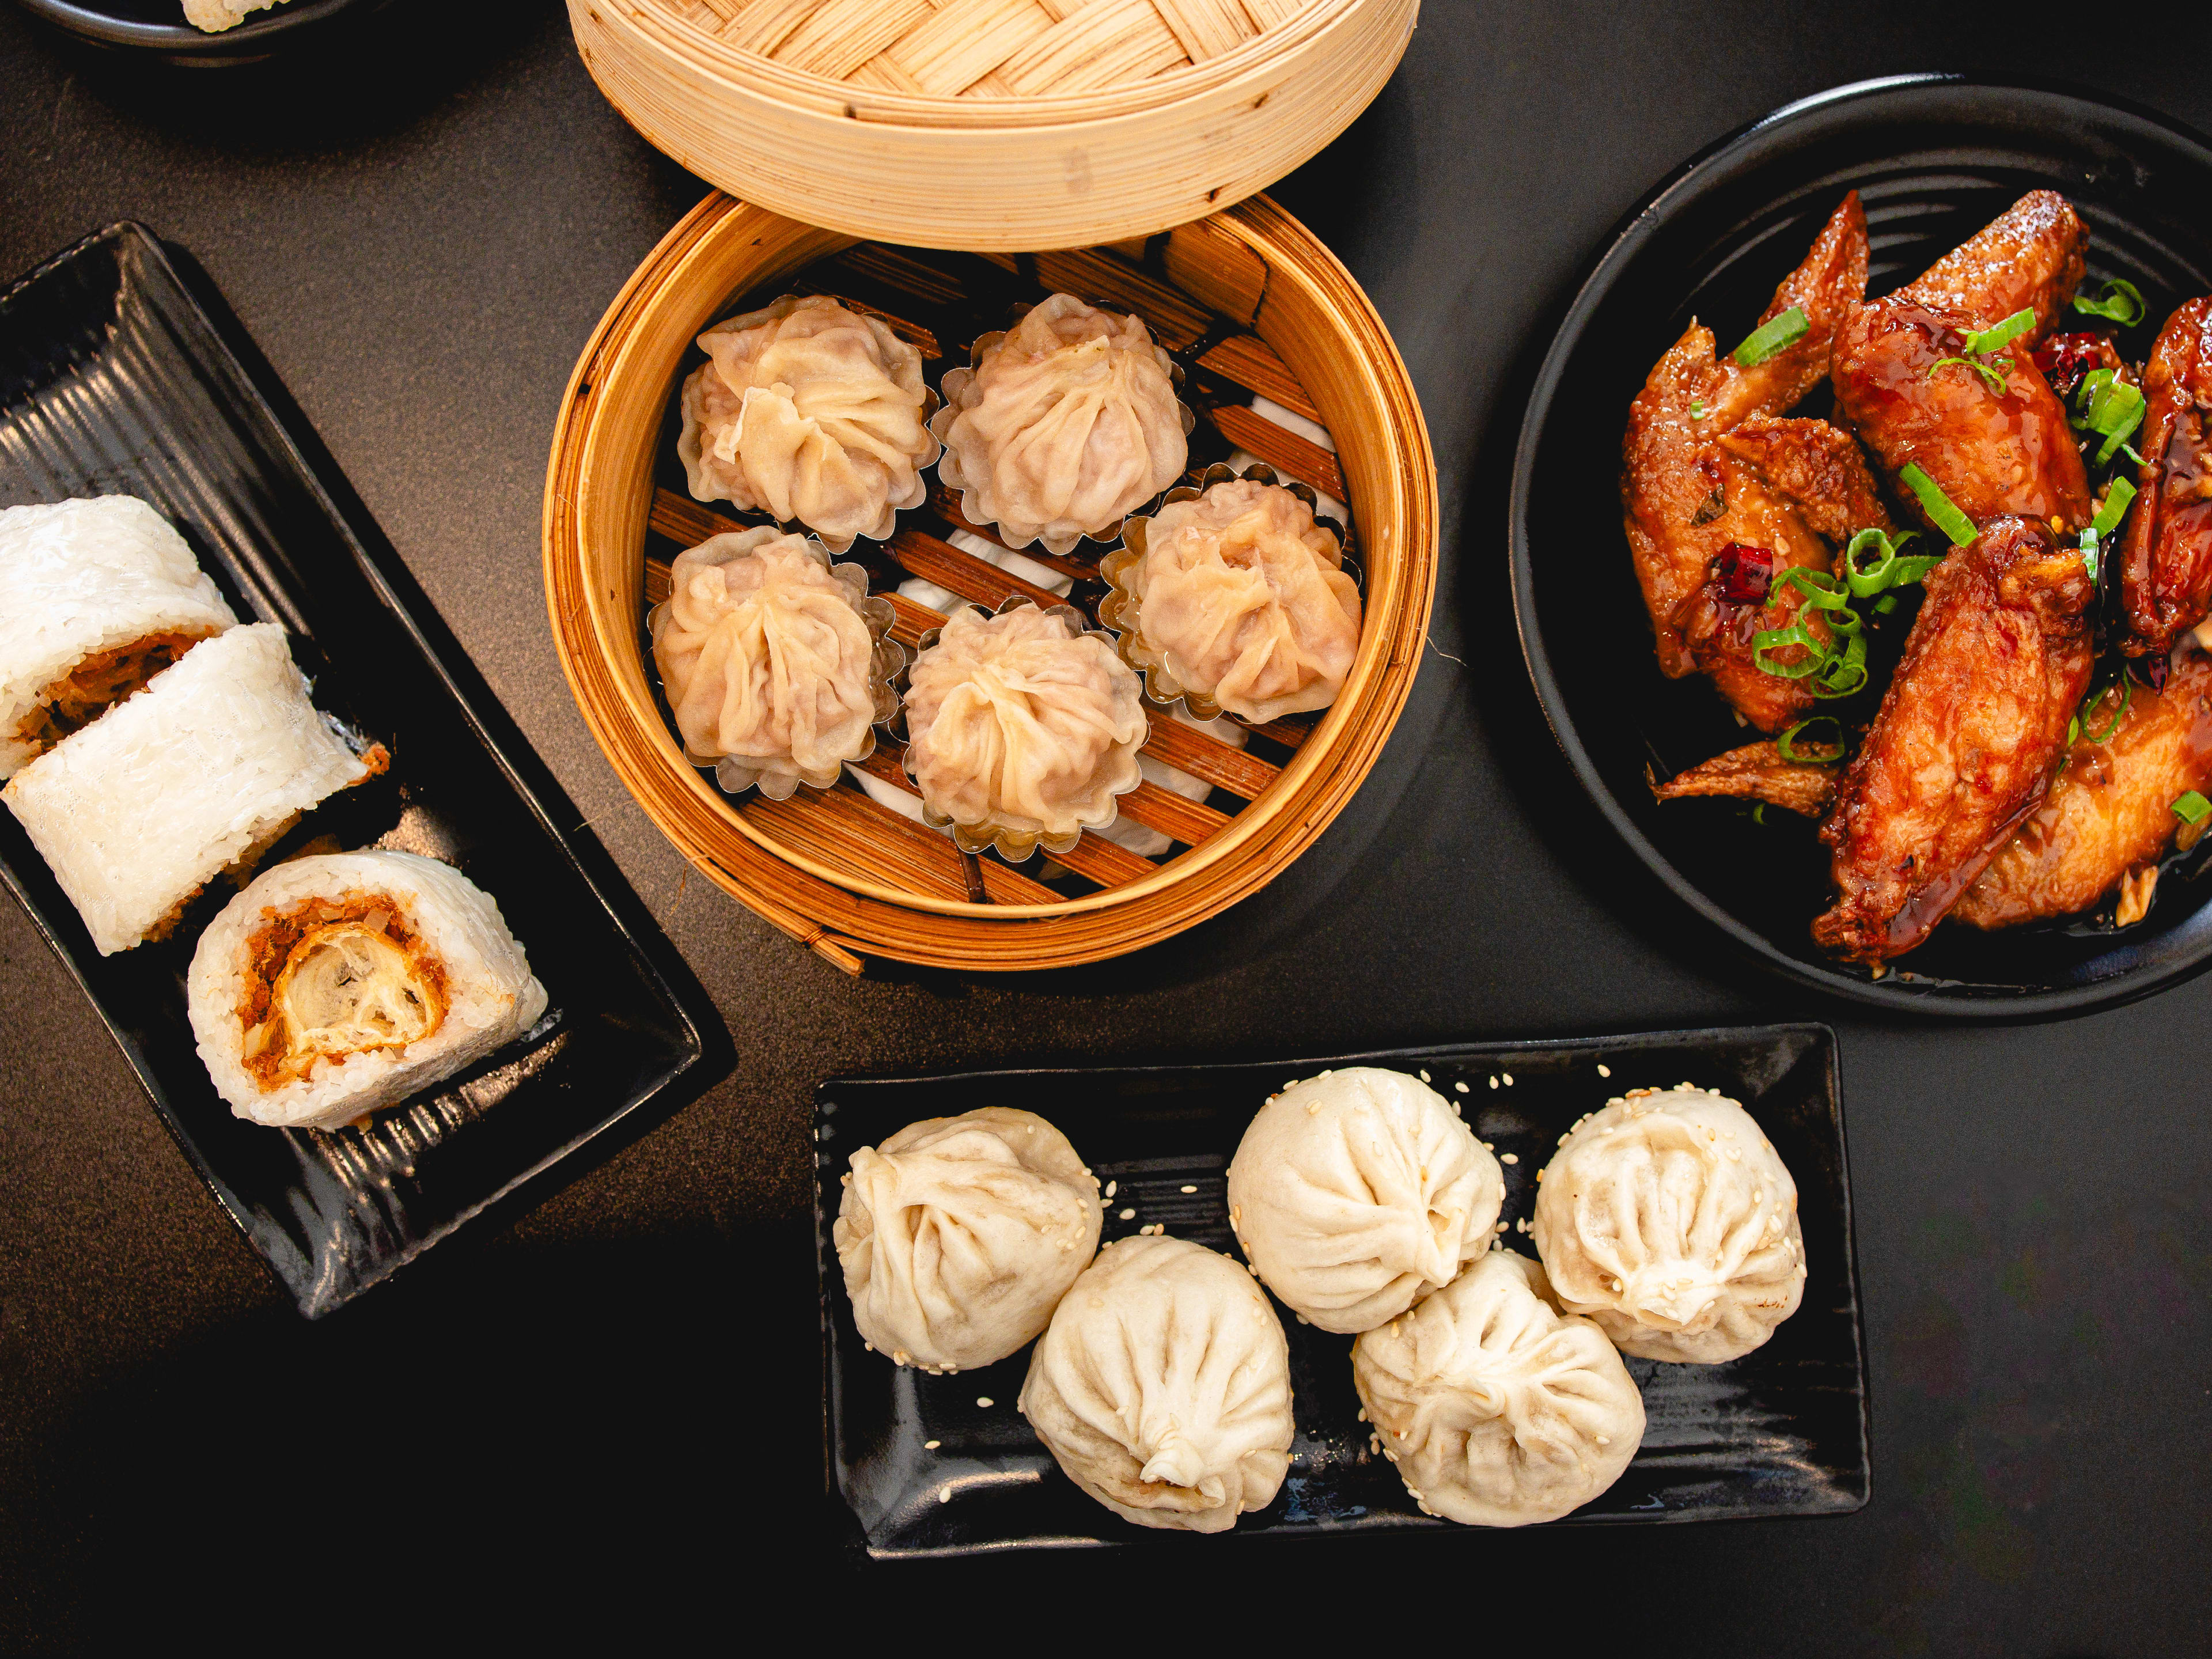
x=1065, y=424
x=1162, y=1387
x=1497, y=1411
x=773, y=670
x=1669, y=1220
x=811, y=413
x=1022, y=728
x=958, y=1235
x=1356, y=1192
x=1245, y=599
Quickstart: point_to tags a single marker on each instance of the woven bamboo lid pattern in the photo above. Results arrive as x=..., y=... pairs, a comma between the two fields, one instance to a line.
x=993, y=125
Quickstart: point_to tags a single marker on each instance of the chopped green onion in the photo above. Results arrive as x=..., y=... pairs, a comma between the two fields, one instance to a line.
x=1844, y=672
x=2192, y=807
x=1937, y=505
x=2115, y=410
x=1697, y=409
x=1990, y=375
x=2085, y=395
x=1776, y=639
x=1785, y=745
x=1759, y=812
x=2089, y=552
x=2127, y=697
x=2004, y=333
x=1891, y=569
x=2122, y=302
x=1885, y=604
x=2073, y=730
x=2117, y=500
x=1770, y=337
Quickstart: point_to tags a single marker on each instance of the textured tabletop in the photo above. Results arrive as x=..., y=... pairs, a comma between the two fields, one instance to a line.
x=617, y=1396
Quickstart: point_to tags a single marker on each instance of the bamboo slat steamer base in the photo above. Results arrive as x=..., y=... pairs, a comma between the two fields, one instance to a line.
x=1248, y=302
x=991, y=123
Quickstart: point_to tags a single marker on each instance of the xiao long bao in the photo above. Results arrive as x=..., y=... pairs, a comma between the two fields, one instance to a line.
x=774, y=661
x=1162, y=1387
x=1497, y=1411
x=1356, y=1192
x=1669, y=1220
x=1022, y=729
x=1235, y=597
x=811, y=413
x=958, y=1235
x=1066, y=423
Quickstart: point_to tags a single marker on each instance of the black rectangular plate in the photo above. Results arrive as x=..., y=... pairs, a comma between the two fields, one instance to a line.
x=115, y=377
x=1781, y=1432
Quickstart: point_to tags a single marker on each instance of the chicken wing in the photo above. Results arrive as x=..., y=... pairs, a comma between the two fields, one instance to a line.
x=1792, y=491
x=2109, y=815
x=1686, y=500
x=2166, y=562
x=1963, y=745
x=1757, y=772
x=1903, y=384
x=2032, y=254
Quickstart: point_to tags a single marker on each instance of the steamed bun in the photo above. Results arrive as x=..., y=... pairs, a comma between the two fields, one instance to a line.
x=1356, y=1192
x=1162, y=1387
x=958, y=1235
x=1498, y=1410
x=1669, y=1220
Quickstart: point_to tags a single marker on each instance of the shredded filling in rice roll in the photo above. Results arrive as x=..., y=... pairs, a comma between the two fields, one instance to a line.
x=331, y=977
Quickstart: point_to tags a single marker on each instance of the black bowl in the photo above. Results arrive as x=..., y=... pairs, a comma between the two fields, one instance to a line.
x=1934, y=158
x=158, y=26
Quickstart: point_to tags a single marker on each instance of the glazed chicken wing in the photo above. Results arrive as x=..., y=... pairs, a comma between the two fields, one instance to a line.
x=1963, y=745
x=1791, y=492
x=1687, y=499
x=2109, y=816
x=2030, y=255
x=1903, y=384
x=1992, y=451
x=2165, y=565
x=1757, y=772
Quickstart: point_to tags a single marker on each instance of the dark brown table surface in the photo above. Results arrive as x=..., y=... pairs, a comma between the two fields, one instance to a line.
x=611, y=1405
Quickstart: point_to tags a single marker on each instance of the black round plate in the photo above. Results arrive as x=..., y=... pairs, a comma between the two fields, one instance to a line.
x=158, y=26
x=1934, y=158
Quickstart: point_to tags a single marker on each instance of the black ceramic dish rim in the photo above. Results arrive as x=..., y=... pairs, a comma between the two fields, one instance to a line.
x=253, y=38
x=1932, y=1001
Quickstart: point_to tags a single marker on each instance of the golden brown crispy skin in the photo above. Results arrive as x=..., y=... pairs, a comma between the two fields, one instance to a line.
x=1962, y=748
x=2029, y=255
x=1798, y=489
x=1757, y=772
x=1685, y=498
x=1992, y=452
x=2165, y=563
x=2110, y=812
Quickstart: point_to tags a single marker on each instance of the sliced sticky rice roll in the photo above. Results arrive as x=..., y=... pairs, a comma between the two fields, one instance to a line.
x=96, y=597
x=337, y=984
x=201, y=771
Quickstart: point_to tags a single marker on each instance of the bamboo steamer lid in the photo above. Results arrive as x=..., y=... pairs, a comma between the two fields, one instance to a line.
x=992, y=125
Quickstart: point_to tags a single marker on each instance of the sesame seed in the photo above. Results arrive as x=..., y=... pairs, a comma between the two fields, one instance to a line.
x=1425, y=1077
x=1510, y=1157
x=1127, y=1215
x=1605, y=1071
x=1507, y=1076
x=1190, y=1189
x=985, y=1402
x=945, y=1494
x=1493, y=1083
x=930, y=1445
x=1110, y=1185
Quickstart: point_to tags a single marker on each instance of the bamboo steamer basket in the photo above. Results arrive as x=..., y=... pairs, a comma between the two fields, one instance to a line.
x=995, y=125
x=1251, y=302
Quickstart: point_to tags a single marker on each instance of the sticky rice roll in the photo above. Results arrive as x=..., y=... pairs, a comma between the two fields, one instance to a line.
x=96, y=597
x=200, y=772
x=338, y=984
